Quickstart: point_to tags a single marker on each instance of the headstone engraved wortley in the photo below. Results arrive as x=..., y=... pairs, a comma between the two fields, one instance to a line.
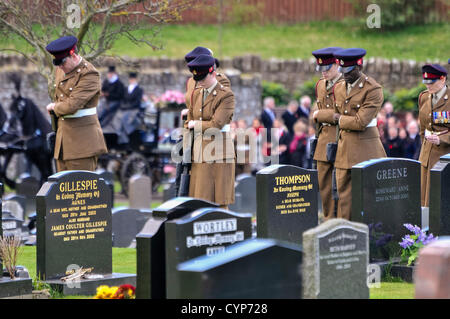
x=74, y=230
x=336, y=256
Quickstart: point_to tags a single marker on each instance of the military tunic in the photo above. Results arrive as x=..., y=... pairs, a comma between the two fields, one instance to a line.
x=213, y=154
x=77, y=138
x=191, y=86
x=430, y=153
x=359, y=139
x=326, y=134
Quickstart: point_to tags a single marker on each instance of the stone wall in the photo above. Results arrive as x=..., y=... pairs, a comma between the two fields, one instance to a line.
x=246, y=74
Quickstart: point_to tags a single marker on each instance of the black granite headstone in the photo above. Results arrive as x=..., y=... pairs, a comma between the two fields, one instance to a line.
x=440, y=197
x=74, y=229
x=287, y=202
x=245, y=194
x=126, y=224
x=150, y=246
x=28, y=186
x=206, y=231
x=109, y=179
x=386, y=195
x=253, y=269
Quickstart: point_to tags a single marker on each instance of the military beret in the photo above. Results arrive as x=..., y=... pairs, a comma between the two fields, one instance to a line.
x=202, y=64
x=325, y=58
x=432, y=72
x=61, y=48
x=196, y=52
x=348, y=59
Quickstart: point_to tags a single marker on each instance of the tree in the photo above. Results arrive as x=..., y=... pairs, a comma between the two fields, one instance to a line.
x=96, y=23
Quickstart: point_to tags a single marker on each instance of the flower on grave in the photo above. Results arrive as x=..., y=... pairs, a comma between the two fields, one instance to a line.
x=412, y=243
x=170, y=98
x=122, y=292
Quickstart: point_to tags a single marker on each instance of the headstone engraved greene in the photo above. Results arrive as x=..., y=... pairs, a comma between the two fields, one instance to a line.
x=287, y=202
x=386, y=195
x=74, y=226
x=336, y=256
x=206, y=231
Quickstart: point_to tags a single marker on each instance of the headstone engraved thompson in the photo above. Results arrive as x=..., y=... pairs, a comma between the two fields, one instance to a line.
x=151, y=247
x=255, y=269
x=287, y=202
x=439, y=197
x=386, y=195
x=336, y=256
x=206, y=231
x=74, y=230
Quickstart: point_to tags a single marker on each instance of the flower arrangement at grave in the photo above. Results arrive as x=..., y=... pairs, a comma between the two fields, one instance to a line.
x=10, y=250
x=122, y=292
x=411, y=244
x=171, y=99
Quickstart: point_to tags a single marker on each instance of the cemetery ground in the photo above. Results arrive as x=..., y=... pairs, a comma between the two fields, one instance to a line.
x=282, y=41
x=124, y=261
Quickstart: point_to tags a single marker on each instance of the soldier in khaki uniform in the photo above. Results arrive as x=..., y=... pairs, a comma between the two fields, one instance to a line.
x=434, y=110
x=326, y=63
x=358, y=100
x=79, y=138
x=191, y=84
x=213, y=155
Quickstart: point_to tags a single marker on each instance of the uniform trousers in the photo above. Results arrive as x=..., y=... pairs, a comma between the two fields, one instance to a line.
x=86, y=164
x=344, y=188
x=324, y=171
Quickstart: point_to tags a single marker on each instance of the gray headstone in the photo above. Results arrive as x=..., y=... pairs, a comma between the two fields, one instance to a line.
x=252, y=269
x=287, y=202
x=126, y=224
x=140, y=191
x=15, y=208
x=386, y=195
x=28, y=186
x=206, y=231
x=439, y=212
x=245, y=194
x=335, y=260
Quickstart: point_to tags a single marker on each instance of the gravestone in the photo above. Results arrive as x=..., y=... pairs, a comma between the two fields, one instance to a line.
x=386, y=195
x=150, y=246
x=439, y=197
x=252, y=269
x=18, y=286
x=16, y=204
x=28, y=186
x=140, y=191
x=11, y=225
x=287, y=202
x=109, y=179
x=126, y=224
x=432, y=273
x=74, y=230
x=245, y=194
x=206, y=231
x=335, y=260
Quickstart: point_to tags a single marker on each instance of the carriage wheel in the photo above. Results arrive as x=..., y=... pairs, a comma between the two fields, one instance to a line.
x=133, y=164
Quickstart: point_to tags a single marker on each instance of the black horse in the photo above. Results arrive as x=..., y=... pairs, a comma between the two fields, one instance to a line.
x=33, y=132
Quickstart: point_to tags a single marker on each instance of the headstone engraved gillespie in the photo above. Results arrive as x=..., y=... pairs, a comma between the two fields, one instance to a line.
x=386, y=195
x=287, y=202
x=74, y=224
x=206, y=231
x=336, y=256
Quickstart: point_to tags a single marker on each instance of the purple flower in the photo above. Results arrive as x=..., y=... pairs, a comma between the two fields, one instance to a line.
x=407, y=242
x=429, y=239
x=414, y=229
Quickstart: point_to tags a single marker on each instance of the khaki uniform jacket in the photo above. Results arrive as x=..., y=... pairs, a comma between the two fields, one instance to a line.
x=190, y=86
x=78, y=137
x=430, y=153
x=357, y=142
x=211, y=116
x=325, y=102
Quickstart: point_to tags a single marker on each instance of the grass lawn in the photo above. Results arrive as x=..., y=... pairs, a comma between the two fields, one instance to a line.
x=289, y=41
x=124, y=261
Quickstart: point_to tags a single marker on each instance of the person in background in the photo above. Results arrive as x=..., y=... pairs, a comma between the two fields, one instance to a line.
x=305, y=107
x=284, y=137
x=412, y=143
x=133, y=95
x=298, y=144
x=290, y=116
x=268, y=113
x=113, y=90
x=388, y=109
x=393, y=145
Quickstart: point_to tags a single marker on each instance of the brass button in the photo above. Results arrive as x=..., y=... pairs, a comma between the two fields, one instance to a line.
x=346, y=101
x=79, y=70
x=200, y=119
x=61, y=95
x=345, y=111
x=70, y=89
x=328, y=105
